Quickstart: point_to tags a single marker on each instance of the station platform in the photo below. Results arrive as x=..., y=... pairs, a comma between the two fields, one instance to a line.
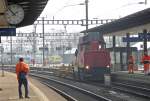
x=137, y=76
x=37, y=91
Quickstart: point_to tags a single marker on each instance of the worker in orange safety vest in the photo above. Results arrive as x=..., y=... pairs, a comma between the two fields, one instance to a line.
x=131, y=64
x=146, y=62
x=22, y=70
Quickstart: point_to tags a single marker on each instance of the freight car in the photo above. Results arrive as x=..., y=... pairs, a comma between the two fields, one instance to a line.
x=92, y=59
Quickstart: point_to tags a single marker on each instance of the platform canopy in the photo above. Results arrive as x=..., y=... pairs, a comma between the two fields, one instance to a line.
x=32, y=8
x=133, y=23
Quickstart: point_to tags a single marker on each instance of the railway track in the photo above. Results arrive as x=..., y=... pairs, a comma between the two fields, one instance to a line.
x=128, y=88
x=123, y=87
x=119, y=96
x=135, y=86
x=71, y=92
x=132, y=89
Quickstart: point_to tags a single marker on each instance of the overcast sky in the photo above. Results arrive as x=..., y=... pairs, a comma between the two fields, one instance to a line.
x=101, y=9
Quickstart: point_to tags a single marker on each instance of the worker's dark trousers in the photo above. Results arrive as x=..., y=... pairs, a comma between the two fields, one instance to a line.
x=25, y=83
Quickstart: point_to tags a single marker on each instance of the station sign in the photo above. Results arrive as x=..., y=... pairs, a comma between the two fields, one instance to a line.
x=140, y=38
x=7, y=31
x=142, y=35
x=131, y=39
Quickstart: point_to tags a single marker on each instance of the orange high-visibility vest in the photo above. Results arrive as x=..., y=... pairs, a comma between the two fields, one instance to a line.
x=145, y=61
x=21, y=67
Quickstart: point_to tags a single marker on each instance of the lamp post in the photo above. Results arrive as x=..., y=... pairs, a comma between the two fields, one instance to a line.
x=145, y=2
x=86, y=11
x=43, y=42
x=2, y=49
x=11, y=49
x=34, y=45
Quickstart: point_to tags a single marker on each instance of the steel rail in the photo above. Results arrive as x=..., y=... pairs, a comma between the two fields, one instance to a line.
x=65, y=95
x=132, y=89
x=95, y=96
x=125, y=88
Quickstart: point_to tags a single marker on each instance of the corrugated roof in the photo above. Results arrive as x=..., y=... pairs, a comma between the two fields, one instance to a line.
x=130, y=21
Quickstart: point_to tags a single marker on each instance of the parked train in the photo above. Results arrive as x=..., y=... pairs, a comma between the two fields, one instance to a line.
x=92, y=60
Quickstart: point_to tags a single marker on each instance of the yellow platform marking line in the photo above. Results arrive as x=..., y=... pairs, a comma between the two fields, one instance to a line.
x=39, y=93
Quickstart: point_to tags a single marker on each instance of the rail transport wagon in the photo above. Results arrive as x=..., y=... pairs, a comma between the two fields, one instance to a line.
x=92, y=58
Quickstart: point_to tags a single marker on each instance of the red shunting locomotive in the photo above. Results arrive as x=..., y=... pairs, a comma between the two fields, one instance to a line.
x=92, y=60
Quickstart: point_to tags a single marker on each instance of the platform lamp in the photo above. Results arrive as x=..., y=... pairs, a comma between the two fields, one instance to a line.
x=86, y=10
x=145, y=2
